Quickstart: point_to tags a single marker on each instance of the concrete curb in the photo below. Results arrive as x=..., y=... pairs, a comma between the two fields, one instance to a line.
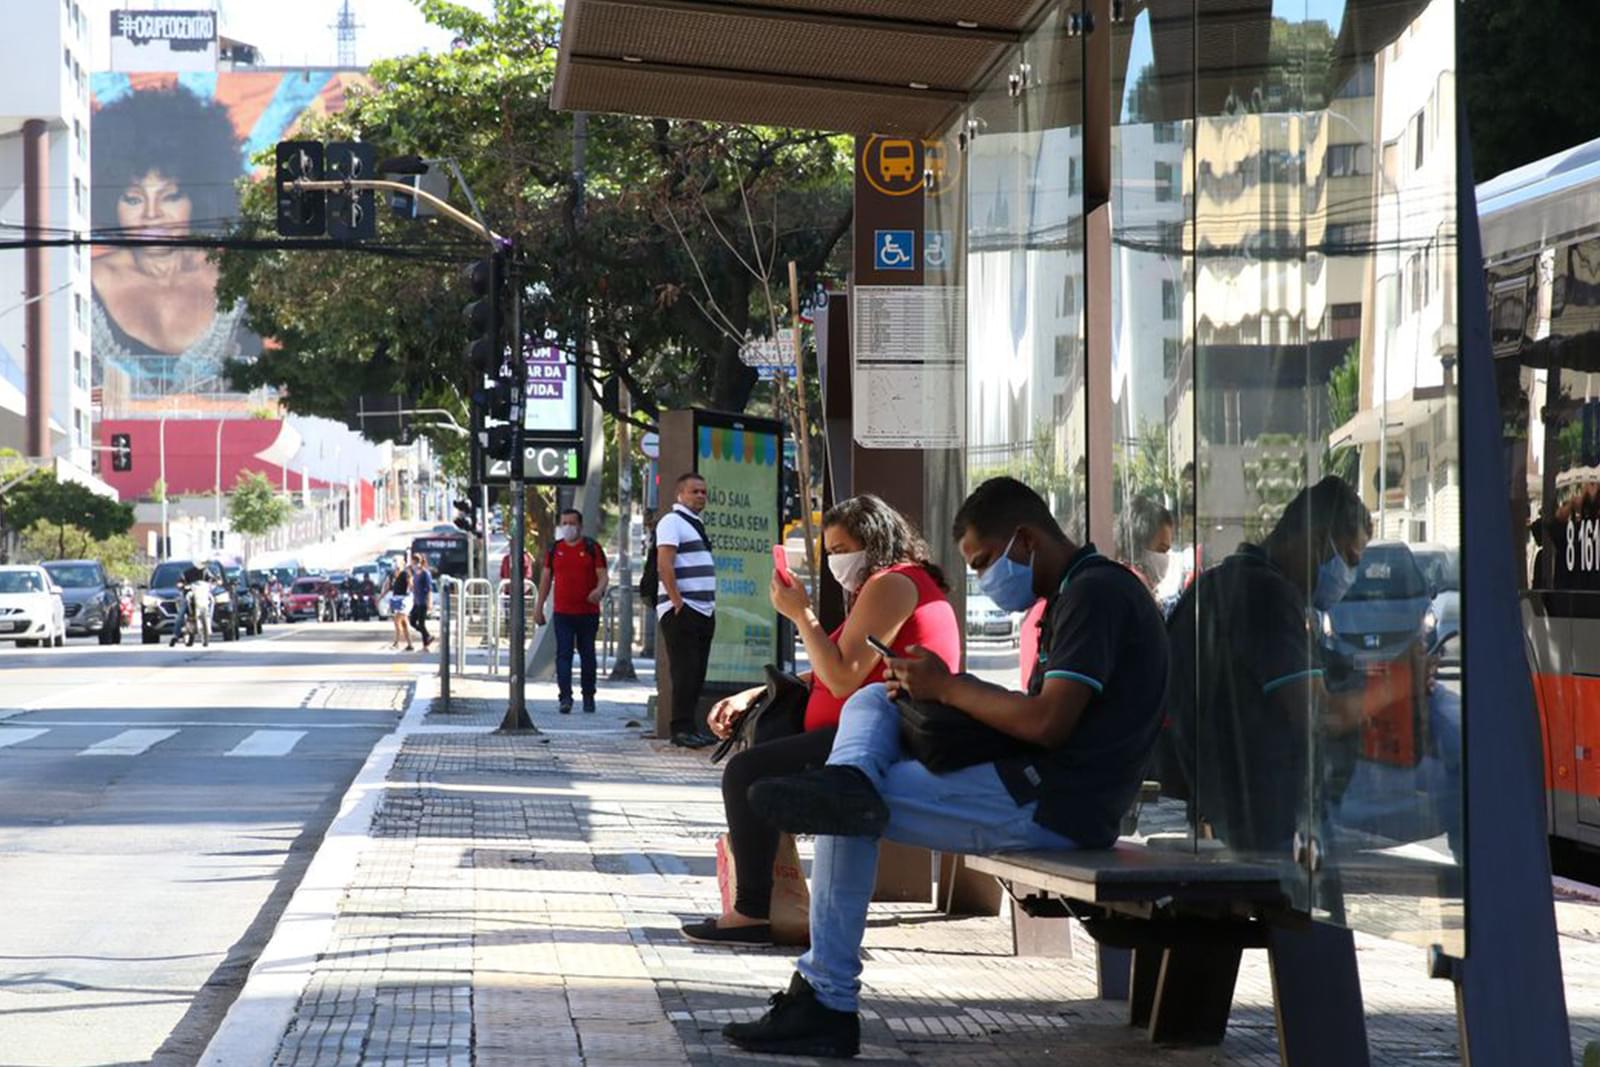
x=256, y=1021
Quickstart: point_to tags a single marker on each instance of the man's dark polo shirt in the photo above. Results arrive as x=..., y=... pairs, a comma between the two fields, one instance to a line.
x=1103, y=629
x=1239, y=634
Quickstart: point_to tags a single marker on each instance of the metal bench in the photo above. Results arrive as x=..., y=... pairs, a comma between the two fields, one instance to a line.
x=1170, y=926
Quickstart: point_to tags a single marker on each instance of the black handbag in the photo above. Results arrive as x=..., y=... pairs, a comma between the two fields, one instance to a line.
x=779, y=712
x=943, y=738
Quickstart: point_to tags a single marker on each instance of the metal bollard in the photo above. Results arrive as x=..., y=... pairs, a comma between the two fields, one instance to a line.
x=444, y=640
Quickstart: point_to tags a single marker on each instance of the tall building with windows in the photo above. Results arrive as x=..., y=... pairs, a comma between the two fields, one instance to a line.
x=44, y=141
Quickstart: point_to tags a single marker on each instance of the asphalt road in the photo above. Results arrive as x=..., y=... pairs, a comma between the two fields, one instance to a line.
x=157, y=808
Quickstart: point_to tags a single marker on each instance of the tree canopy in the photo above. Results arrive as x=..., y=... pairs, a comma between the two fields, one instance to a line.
x=640, y=236
x=44, y=499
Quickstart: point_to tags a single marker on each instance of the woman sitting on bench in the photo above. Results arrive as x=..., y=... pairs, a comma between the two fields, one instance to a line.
x=895, y=594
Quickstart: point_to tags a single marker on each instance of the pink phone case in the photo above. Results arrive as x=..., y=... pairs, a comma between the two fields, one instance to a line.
x=780, y=560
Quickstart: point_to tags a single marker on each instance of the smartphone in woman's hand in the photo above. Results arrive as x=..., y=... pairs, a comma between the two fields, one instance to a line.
x=880, y=648
x=780, y=563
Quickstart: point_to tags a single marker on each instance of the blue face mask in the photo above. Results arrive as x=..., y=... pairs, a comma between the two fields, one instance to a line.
x=1008, y=583
x=1334, y=579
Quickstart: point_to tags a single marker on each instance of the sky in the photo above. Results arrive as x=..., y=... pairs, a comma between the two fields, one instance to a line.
x=294, y=33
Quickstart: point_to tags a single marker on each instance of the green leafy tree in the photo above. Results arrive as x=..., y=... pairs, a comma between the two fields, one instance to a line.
x=1344, y=384
x=255, y=508
x=42, y=498
x=1528, y=79
x=48, y=540
x=658, y=313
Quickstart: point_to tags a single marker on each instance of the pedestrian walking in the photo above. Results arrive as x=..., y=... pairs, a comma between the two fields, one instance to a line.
x=421, y=598
x=397, y=588
x=575, y=567
x=686, y=604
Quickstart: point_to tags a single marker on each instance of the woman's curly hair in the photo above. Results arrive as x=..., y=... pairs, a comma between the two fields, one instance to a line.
x=886, y=535
x=179, y=136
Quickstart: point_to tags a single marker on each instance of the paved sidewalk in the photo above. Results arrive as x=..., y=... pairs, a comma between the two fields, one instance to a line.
x=518, y=900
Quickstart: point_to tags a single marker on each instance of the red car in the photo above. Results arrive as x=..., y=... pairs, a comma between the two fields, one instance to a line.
x=310, y=598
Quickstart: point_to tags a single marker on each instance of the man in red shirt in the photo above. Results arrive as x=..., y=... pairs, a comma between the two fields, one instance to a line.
x=505, y=565
x=576, y=566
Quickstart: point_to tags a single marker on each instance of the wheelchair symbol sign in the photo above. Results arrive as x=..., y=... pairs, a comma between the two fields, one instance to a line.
x=894, y=250
x=936, y=249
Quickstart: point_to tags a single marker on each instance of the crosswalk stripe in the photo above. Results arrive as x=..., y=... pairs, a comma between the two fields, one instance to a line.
x=16, y=735
x=128, y=743
x=267, y=743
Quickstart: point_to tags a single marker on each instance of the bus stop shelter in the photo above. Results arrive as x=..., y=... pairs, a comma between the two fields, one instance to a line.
x=1186, y=257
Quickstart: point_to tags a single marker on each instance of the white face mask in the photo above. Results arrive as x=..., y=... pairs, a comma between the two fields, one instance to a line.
x=1155, y=565
x=567, y=532
x=849, y=568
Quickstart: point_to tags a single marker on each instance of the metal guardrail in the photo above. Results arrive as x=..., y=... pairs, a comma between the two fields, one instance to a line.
x=478, y=622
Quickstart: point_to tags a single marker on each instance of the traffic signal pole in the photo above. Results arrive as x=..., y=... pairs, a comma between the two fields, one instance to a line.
x=517, y=708
x=516, y=717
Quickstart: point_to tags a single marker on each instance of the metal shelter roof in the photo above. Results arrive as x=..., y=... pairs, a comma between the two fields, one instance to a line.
x=853, y=66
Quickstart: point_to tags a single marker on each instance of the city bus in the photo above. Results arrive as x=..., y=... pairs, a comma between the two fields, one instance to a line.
x=1541, y=238
x=446, y=553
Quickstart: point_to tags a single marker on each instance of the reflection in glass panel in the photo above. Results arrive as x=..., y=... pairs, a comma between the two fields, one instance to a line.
x=1026, y=412
x=1317, y=700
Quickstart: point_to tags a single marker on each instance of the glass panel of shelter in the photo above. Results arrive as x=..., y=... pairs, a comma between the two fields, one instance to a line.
x=1024, y=272
x=1324, y=737
x=1152, y=336
x=1024, y=160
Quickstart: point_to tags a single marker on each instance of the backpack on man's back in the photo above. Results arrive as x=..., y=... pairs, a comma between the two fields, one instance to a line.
x=649, y=573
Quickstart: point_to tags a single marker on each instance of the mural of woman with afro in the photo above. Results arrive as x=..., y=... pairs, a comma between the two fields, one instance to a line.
x=165, y=165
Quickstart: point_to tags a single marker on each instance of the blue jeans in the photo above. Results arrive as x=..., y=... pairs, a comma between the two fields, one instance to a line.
x=966, y=811
x=579, y=630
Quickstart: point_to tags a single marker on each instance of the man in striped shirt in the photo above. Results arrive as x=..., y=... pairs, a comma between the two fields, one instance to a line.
x=686, y=604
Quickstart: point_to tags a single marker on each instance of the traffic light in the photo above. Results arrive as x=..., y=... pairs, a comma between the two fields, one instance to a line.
x=302, y=213
x=494, y=400
x=498, y=442
x=486, y=279
x=121, y=452
x=352, y=216
x=467, y=515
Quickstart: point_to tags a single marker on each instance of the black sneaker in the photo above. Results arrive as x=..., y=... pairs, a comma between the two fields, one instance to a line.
x=588, y=705
x=565, y=707
x=836, y=799
x=707, y=932
x=692, y=739
x=797, y=1024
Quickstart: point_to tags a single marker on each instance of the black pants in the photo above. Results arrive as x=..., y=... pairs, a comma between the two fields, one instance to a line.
x=688, y=636
x=753, y=840
x=575, y=631
x=419, y=620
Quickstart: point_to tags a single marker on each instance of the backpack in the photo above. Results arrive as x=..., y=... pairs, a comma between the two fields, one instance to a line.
x=649, y=576
x=590, y=546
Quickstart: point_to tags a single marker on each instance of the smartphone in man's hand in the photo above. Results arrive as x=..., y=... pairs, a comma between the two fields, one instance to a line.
x=880, y=648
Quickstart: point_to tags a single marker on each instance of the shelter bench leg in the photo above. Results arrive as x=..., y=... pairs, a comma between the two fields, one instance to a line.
x=1194, y=994
x=1316, y=993
x=1113, y=968
x=1143, y=973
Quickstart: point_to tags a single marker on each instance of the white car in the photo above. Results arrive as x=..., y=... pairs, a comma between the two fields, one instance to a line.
x=31, y=608
x=985, y=618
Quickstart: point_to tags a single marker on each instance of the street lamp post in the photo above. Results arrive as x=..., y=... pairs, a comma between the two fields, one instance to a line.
x=166, y=531
x=217, y=489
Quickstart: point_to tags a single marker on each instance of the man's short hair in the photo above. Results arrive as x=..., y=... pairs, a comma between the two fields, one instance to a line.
x=687, y=476
x=571, y=511
x=1000, y=505
x=1331, y=505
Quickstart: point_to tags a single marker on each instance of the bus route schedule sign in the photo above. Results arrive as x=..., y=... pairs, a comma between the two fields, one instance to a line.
x=740, y=459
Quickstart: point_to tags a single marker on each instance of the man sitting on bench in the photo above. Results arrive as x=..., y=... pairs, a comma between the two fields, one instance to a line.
x=1083, y=731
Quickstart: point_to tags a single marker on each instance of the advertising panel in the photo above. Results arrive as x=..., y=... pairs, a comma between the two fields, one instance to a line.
x=169, y=151
x=739, y=459
x=179, y=41
x=553, y=402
